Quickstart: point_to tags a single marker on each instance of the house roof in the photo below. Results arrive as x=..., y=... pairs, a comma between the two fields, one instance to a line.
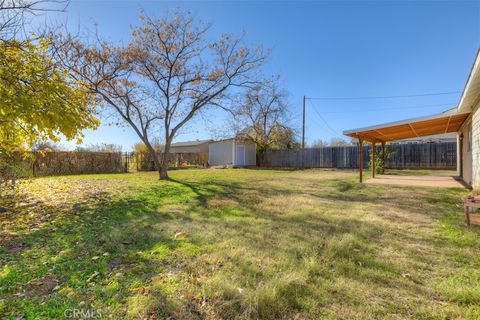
x=190, y=143
x=437, y=138
x=471, y=93
x=448, y=121
x=238, y=139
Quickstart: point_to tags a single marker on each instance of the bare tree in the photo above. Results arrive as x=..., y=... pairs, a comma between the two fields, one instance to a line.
x=14, y=14
x=164, y=77
x=100, y=147
x=261, y=115
x=319, y=143
x=338, y=142
x=48, y=146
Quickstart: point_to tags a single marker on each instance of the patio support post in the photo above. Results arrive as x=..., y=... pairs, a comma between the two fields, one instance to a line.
x=383, y=157
x=373, y=159
x=360, y=158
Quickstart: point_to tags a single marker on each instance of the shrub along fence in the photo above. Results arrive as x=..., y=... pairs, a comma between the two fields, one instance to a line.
x=404, y=156
x=65, y=163
x=57, y=163
x=142, y=161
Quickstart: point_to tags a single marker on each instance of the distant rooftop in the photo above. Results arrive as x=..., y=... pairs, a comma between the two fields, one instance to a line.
x=433, y=138
x=190, y=143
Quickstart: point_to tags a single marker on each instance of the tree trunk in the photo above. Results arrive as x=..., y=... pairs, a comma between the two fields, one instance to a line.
x=260, y=158
x=163, y=169
x=154, y=156
x=261, y=153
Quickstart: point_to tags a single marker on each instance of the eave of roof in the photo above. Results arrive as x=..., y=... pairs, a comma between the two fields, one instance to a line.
x=394, y=123
x=471, y=92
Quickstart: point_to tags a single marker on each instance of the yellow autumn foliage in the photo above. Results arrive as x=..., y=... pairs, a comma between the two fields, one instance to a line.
x=39, y=100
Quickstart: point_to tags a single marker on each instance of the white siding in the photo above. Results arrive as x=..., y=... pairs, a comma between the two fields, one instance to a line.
x=220, y=153
x=476, y=147
x=466, y=154
x=459, y=172
x=223, y=153
x=250, y=154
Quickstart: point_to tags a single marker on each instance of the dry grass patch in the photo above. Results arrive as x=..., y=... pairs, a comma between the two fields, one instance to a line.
x=237, y=244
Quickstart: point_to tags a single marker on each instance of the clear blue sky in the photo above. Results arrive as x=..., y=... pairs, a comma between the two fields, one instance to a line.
x=327, y=49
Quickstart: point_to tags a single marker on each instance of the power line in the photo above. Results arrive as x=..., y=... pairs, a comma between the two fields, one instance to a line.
x=383, y=109
x=325, y=121
x=386, y=97
x=363, y=110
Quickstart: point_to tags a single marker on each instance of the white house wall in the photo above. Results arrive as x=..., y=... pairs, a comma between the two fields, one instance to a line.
x=466, y=155
x=476, y=147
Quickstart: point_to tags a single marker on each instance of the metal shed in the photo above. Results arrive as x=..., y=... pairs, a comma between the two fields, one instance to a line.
x=232, y=153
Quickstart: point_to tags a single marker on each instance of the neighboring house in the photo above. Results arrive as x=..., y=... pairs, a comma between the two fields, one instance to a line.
x=464, y=121
x=197, y=146
x=232, y=153
x=437, y=138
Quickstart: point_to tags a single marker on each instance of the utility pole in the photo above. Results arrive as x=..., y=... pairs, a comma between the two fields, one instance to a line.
x=303, y=126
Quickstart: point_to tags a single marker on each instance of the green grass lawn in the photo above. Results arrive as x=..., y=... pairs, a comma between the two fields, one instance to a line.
x=237, y=244
x=420, y=172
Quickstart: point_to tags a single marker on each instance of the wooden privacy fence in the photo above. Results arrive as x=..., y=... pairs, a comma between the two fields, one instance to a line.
x=326, y=157
x=403, y=156
x=424, y=156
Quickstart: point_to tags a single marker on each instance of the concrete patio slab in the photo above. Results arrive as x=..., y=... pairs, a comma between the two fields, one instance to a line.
x=440, y=181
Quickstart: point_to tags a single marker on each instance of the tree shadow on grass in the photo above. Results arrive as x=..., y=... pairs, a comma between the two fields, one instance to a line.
x=83, y=248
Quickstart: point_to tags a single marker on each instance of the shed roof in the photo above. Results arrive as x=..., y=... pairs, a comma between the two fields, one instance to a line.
x=449, y=121
x=471, y=93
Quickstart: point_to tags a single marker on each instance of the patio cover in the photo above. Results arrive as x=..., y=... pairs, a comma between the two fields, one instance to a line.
x=449, y=121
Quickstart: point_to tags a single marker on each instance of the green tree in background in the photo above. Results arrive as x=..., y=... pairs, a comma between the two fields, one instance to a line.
x=379, y=163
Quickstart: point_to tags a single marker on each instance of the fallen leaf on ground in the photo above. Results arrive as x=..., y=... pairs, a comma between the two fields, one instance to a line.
x=180, y=235
x=96, y=273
